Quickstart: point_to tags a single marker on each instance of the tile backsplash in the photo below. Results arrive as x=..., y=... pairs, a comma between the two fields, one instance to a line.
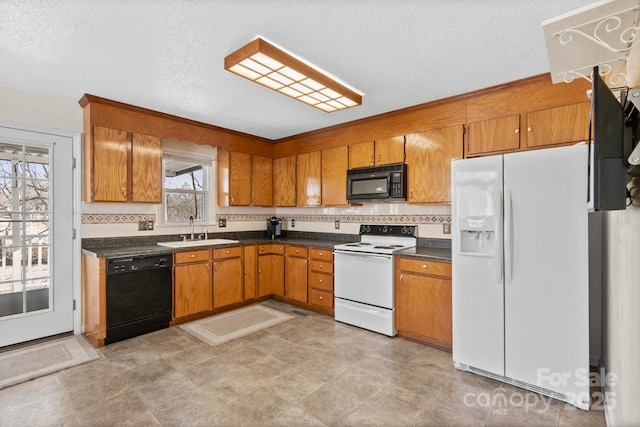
x=114, y=220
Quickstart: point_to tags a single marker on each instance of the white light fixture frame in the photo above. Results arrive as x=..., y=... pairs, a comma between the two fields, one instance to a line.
x=266, y=64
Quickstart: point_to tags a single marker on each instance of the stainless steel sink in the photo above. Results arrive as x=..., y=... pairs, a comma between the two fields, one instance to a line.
x=189, y=243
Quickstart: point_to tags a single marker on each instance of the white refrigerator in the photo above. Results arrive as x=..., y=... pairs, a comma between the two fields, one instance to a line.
x=520, y=270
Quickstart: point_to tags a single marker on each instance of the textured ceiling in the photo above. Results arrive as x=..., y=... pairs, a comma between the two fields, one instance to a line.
x=167, y=55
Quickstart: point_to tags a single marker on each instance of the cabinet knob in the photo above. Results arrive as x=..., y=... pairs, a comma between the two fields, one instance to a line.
x=297, y=251
x=320, y=296
x=261, y=249
x=320, y=253
x=320, y=266
x=245, y=272
x=517, y=131
x=321, y=280
x=529, y=129
x=193, y=256
x=259, y=271
x=425, y=266
x=228, y=252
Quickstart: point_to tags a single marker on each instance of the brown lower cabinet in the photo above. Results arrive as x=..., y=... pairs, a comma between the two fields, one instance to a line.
x=227, y=276
x=192, y=291
x=423, y=301
x=270, y=269
x=296, y=273
x=250, y=263
x=321, y=278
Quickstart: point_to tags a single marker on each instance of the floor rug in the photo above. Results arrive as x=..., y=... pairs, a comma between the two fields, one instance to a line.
x=225, y=327
x=31, y=362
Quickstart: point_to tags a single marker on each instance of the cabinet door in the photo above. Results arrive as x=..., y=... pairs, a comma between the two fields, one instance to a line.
x=334, y=176
x=110, y=165
x=192, y=289
x=270, y=275
x=284, y=181
x=146, y=169
x=569, y=123
x=239, y=179
x=361, y=155
x=389, y=150
x=308, y=179
x=249, y=258
x=495, y=135
x=296, y=279
x=227, y=282
x=262, y=181
x=423, y=306
x=429, y=156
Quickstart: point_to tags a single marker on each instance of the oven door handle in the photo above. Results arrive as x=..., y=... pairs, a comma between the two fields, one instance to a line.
x=362, y=255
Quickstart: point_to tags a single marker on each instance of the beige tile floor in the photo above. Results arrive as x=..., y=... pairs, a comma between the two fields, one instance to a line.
x=310, y=370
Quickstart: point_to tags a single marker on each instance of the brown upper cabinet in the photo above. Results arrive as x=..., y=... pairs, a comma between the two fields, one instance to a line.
x=124, y=167
x=284, y=181
x=262, y=181
x=429, y=156
x=334, y=176
x=244, y=180
x=539, y=129
x=379, y=152
x=308, y=179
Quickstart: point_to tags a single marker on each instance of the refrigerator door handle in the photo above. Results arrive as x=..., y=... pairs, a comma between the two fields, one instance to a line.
x=498, y=236
x=508, y=237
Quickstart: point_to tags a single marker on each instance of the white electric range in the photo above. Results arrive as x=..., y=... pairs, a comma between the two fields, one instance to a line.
x=364, y=276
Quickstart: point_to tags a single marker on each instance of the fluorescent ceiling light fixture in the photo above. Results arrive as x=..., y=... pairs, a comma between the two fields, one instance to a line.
x=264, y=63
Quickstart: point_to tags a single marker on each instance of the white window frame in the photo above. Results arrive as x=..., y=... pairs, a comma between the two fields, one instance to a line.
x=207, y=162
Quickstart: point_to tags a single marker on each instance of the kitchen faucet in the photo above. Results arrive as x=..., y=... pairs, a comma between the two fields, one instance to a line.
x=191, y=225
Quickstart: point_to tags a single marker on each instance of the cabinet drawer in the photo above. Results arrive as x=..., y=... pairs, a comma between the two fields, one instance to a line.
x=323, y=266
x=321, y=298
x=321, y=281
x=191, y=256
x=324, y=254
x=298, y=251
x=424, y=267
x=233, y=252
x=270, y=248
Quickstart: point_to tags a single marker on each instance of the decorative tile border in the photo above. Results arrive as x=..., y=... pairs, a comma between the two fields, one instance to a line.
x=360, y=219
x=116, y=218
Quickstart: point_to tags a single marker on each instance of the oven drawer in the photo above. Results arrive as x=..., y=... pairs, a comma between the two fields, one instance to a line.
x=321, y=281
x=323, y=266
x=321, y=298
x=191, y=256
x=233, y=252
x=424, y=267
x=324, y=254
x=366, y=316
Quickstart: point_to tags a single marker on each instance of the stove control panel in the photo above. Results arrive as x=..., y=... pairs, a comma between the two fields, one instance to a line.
x=388, y=230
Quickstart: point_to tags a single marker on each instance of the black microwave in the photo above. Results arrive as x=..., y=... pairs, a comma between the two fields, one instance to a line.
x=378, y=184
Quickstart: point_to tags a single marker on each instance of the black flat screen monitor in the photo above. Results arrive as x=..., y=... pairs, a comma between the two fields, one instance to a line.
x=609, y=171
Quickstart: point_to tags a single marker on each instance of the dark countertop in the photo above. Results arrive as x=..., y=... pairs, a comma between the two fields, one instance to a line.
x=123, y=247
x=433, y=249
x=434, y=254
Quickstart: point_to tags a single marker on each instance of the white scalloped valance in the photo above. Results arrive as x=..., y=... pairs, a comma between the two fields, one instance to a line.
x=603, y=34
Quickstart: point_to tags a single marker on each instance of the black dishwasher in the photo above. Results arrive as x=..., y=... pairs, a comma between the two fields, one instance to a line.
x=138, y=295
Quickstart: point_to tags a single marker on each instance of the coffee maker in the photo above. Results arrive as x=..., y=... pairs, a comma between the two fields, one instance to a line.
x=274, y=228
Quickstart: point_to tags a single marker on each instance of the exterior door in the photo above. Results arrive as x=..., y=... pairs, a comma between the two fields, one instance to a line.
x=36, y=235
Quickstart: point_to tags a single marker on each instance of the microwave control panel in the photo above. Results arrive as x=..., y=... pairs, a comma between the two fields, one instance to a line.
x=396, y=185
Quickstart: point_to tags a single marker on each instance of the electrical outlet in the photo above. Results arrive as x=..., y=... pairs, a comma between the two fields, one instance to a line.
x=446, y=228
x=222, y=222
x=293, y=223
x=337, y=224
x=142, y=225
x=150, y=224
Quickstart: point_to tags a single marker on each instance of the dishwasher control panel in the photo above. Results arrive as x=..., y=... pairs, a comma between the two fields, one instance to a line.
x=139, y=262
